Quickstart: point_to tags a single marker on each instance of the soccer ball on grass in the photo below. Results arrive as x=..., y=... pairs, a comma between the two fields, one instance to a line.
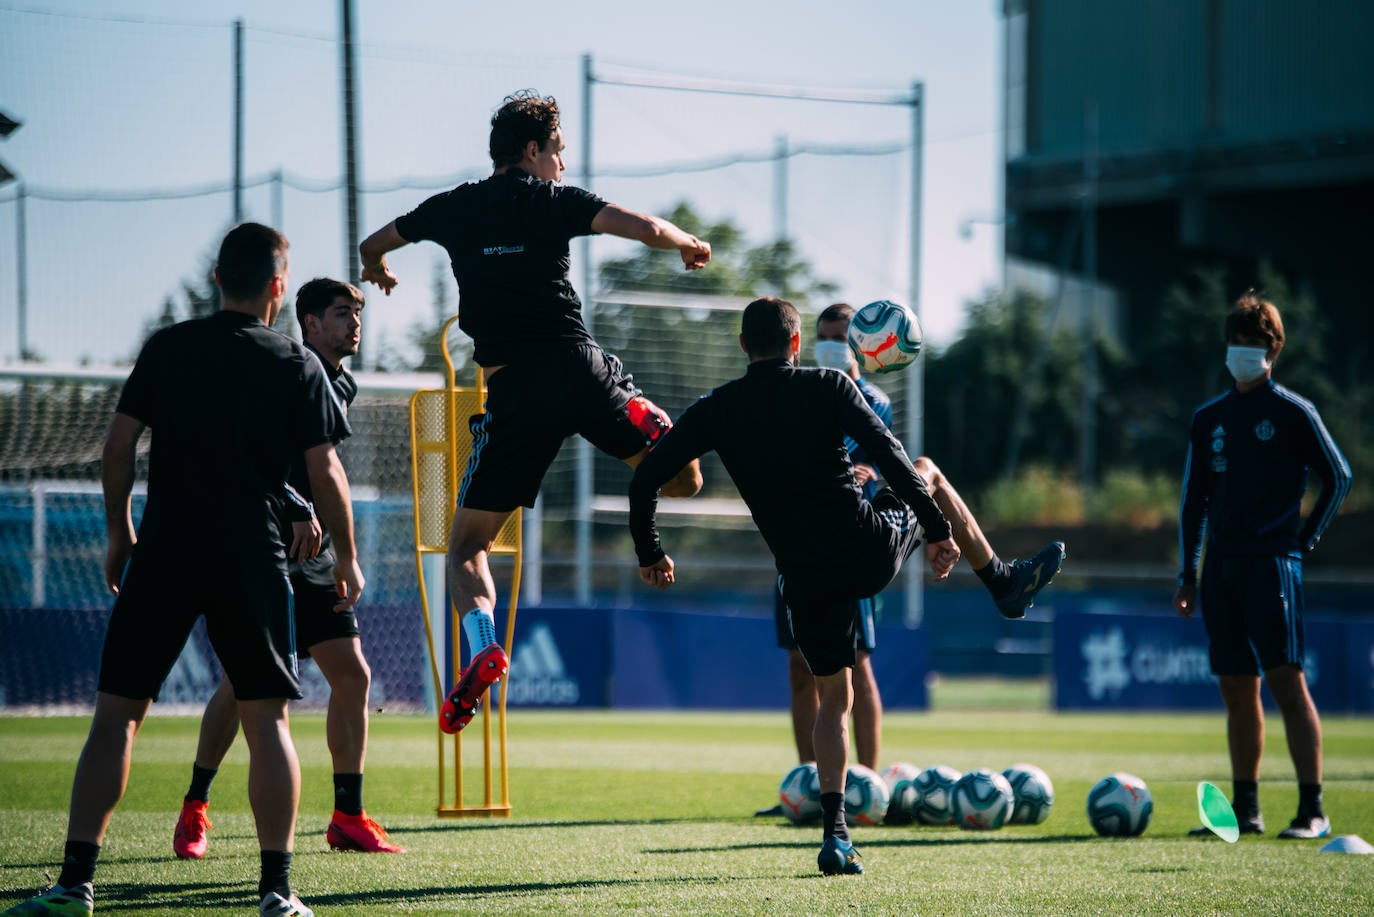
x=800, y=794
x=982, y=800
x=1034, y=794
x=901, y=795
x=1119, y=805
x=932, y=787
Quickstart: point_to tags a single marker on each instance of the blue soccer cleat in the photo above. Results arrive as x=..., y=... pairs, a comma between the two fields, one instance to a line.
x=839, y=857
x=1028, y=577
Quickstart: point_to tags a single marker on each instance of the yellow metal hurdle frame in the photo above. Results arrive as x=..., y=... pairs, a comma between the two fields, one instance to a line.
x=439, y=449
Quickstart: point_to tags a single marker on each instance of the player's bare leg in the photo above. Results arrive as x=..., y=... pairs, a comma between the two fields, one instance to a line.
x=473, y=591
x=274, y=773
x=804, y=703
x=102, y=772
x=343, y=665
x=1244, y=724
x=868, y=712
x=831, y=739
x=1013, y=585
x=1300, y=721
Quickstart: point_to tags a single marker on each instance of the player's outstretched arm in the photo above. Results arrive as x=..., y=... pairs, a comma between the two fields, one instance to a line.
x=373, y=252
x=334, y=504
x=117, y=481
x=654, y=232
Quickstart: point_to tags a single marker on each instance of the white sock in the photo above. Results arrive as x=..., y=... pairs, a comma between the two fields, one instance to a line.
x=480, y=628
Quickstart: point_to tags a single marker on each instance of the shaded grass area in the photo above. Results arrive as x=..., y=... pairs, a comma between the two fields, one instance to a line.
x=652, y=813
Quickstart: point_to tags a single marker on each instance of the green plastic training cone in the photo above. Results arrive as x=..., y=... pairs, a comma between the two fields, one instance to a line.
x=1216, y=812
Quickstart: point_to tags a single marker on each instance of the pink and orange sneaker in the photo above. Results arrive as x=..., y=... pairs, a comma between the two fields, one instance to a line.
x=463, y=702
x=358, y=832
x=189, y=840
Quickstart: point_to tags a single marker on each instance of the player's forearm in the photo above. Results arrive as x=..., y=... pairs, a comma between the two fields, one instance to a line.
x=661, y=234
x=373, y=250
x=117, y=482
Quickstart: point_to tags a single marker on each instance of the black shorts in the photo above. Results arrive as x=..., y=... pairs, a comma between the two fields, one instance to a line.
x=822, y=599
x=248, y=617
x=867, y=633
x=531, y=408
x=1252, y=608
x=316, y=619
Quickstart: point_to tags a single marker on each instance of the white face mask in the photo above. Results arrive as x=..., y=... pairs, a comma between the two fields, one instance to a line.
x=833, y=354
x=1246, y=364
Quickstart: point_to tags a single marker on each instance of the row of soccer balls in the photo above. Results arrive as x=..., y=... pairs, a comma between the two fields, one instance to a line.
x=1119, y=805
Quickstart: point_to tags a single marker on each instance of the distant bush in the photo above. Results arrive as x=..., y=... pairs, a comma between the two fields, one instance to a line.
x=1042, y=496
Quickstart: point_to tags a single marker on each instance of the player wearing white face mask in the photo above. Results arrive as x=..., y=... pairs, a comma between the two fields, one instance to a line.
x=1250, y=452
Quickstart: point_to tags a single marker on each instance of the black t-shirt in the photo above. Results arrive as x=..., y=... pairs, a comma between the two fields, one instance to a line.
x=230, y=403
x=320, y=568
x=780, y=433
x=507, y=240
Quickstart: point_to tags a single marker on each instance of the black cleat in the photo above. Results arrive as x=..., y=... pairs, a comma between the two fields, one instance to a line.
x=1028, y=577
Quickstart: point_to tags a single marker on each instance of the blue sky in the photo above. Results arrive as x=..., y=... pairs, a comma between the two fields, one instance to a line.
x=125, y=95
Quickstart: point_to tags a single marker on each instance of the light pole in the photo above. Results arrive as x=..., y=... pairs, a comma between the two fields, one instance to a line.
x=8, y=126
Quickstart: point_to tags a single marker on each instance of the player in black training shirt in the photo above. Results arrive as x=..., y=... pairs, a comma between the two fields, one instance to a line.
x=330, y=316
x=231, y=402
x=1249, y=455
x=780, y=433
x=507, y=238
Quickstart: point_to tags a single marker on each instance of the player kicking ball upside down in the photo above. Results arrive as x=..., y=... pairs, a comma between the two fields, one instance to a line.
x=507, y=237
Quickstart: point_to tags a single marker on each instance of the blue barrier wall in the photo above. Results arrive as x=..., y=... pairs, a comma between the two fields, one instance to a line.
x=1157, y=661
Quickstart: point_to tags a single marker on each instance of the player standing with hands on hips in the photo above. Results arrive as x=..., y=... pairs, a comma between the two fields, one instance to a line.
x=507, y=237
x=1249, y=455
x=832, y=547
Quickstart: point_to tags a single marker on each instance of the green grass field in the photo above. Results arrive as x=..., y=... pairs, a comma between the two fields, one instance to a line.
x=652, y=813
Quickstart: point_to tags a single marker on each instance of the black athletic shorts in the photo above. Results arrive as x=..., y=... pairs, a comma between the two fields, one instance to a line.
x=531, y=408
x=248, y=617
x=822, y=603
x=316, y=619
x=1252, y=608
x=867, y=633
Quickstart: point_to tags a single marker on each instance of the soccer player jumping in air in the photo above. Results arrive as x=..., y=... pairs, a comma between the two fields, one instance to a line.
x=507, y=238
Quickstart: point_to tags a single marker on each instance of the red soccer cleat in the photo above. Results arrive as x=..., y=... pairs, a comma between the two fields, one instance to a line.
x=189, y=840
x=358, y=832
x=463, y=702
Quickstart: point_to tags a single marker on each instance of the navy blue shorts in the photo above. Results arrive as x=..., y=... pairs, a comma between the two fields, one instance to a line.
x=531, y=408
x=248, y=617
x=1252, y=608
x=867, y=633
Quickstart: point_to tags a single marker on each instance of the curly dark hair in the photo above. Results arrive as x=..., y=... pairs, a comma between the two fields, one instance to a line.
x=522, y=117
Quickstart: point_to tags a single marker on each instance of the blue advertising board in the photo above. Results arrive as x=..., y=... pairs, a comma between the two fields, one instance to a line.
x=1160, y=661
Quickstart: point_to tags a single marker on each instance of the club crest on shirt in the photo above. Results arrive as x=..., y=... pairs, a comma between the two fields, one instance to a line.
x=1219, y=463
x=1264, y=430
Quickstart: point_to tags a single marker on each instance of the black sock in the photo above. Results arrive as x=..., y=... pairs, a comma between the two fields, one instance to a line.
x=1245, y=797
x=348, y=793
x=78, y=863
x=276, y=873
x=996, y=575
x=832, y=816
x=201, y=777
x=1310, y=800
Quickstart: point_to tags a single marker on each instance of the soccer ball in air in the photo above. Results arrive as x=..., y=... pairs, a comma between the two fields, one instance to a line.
x=982, y=800
x=932, y=786
x=1119, y=805
x=1034, y=794
x=884, y=337
x=901, y=796
x=865, y=796
x=800, y=794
